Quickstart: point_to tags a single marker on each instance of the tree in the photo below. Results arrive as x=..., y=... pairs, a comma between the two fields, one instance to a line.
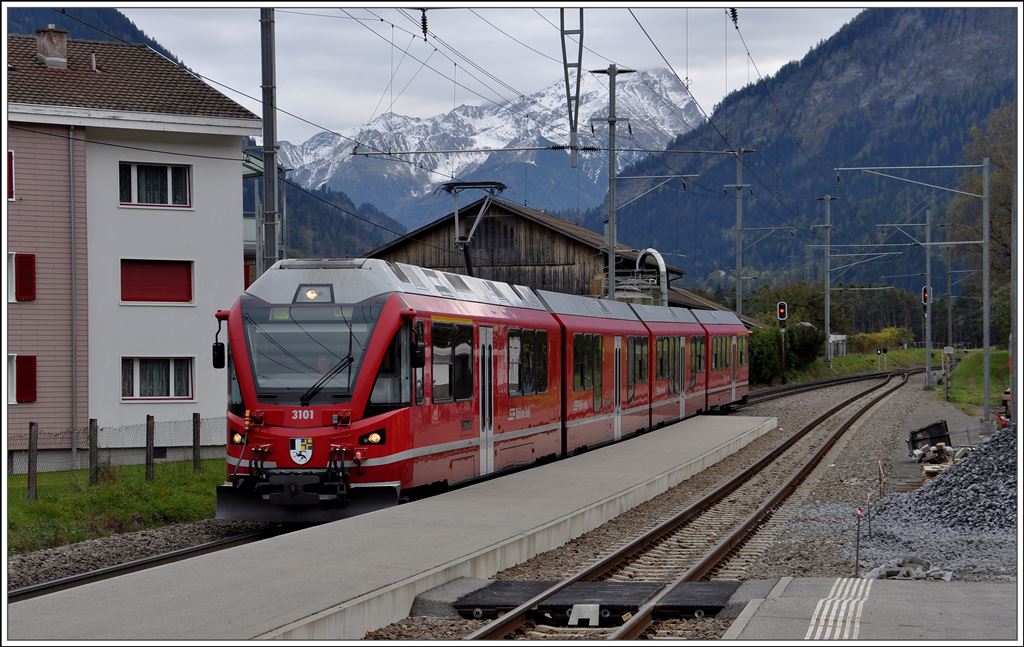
x=997, y=141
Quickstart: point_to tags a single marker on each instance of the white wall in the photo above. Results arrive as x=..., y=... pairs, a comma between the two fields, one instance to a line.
x=209, y=234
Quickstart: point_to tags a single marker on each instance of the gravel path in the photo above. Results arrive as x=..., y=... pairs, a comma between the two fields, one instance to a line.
x=40, y=566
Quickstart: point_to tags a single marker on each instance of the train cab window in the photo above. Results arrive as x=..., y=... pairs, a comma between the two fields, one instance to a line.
x=235, y=403
x=441, y=362
x=393, y=386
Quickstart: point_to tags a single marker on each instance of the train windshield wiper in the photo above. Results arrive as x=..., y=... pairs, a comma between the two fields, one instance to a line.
x=342, y=364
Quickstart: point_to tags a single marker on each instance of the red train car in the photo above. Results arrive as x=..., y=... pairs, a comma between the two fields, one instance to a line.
x=606, y=394
x=728, y=357
x=353, y=383
x=678, y=386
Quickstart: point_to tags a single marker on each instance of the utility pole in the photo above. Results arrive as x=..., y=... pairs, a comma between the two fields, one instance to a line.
x=987, y=307
x=269, y=139
x=612, y=72
x=928, y=306
x=949, y=296
x=828, y=261
x=738, y=151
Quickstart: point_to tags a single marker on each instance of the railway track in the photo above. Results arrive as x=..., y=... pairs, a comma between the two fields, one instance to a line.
x=766, y=395
x=698, y=542
x=45, y=588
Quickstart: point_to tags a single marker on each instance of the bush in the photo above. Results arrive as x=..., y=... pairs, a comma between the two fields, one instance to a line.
x=803, y=345
x=765, y=355
x=891, y=338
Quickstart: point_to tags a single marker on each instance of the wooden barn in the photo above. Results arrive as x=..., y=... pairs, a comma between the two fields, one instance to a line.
x=519, y=245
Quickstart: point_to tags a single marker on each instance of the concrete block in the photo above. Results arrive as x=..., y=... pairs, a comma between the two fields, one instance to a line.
x=438, y=601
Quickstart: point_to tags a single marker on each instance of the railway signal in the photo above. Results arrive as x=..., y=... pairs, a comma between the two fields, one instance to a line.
x=781, y=314
x=924, y=295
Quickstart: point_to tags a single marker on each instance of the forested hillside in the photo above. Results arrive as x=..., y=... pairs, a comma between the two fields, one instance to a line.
x=893, y=87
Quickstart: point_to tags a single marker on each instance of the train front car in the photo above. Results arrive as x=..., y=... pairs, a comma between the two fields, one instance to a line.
x=319, y=370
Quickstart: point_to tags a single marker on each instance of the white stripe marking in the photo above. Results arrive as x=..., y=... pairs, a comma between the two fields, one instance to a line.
x=835, y=614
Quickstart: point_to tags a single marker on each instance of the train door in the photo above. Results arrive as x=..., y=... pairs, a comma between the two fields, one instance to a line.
x=618, y=387
x=680, y=361
x=485, y=352
x=735, y=361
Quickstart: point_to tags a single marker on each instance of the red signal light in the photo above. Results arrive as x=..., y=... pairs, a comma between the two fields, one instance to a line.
x=924, y=295
x=782, y=311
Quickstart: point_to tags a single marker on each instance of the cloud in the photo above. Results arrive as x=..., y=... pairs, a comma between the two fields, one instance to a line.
x=334, y=66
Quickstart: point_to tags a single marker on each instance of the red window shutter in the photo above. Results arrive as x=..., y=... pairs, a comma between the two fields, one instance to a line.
x=145, y=280
x=10, y=175
x=25, y=369
x=25, y=277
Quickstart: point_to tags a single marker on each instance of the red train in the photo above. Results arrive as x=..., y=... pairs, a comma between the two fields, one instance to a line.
x=352, y=383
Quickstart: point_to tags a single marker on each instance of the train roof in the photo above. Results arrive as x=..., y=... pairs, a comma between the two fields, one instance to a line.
x=571, y=304
x=718, y=317
x=663, y=314
x=377, y=277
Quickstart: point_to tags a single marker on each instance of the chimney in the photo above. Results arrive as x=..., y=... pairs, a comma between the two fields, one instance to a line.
x=53, y=47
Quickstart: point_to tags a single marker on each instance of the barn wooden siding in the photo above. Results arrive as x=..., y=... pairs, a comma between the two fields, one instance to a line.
x=506, y=247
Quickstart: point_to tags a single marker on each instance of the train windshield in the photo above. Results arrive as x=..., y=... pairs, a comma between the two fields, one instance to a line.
x=294, y=347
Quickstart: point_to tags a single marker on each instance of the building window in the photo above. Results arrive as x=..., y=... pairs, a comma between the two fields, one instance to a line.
x=161, y=185
x=452, y=362
x=21, y=379
x=21, y=277
x=156, y=378
x=156, y=281
x=527, y=361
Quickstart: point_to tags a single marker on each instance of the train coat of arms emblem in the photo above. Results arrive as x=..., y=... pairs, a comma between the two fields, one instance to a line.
x=301, y=450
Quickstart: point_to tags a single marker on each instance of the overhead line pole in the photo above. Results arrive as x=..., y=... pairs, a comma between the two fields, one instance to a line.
x=739, y=186
x=269, y=139
x=828, y=301
x=612, y=72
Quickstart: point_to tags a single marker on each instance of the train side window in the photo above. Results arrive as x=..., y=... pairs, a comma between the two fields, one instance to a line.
x=630, y=368
x=462, y=370
x=441, y=362
x=578, y=352
x=418, y=372
x=588, y=362
x=526, y=371
x=540, y=359
x=645, y=359
x=515, y=349
x=741, y=345
x=598, y=349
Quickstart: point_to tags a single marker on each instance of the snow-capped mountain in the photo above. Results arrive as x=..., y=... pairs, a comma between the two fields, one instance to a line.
x=655, y=103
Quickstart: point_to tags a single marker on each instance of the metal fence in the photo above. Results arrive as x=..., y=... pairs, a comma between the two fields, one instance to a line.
x=40, y=459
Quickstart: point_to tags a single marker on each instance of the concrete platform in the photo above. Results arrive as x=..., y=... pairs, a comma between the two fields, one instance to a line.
x=340, y=580
x=880, y=610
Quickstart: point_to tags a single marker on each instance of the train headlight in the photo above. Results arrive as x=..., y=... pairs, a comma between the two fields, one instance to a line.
x=373, y=438
x=237, y=438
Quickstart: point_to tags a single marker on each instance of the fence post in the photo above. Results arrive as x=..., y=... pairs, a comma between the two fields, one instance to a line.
x=149, y=447
x=94, y=452
x=197, y=424
x=33, y=456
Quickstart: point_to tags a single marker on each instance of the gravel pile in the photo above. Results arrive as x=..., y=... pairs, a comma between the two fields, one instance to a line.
x=41, y=566
x=977, y=494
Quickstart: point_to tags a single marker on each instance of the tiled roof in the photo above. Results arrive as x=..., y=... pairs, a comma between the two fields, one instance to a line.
x=130, y=78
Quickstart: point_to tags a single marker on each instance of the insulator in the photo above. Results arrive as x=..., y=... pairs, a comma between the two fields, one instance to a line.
x=732, y=14
x=423, y=22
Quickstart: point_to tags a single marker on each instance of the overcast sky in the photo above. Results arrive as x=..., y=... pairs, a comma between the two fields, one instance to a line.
x=333, y=67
